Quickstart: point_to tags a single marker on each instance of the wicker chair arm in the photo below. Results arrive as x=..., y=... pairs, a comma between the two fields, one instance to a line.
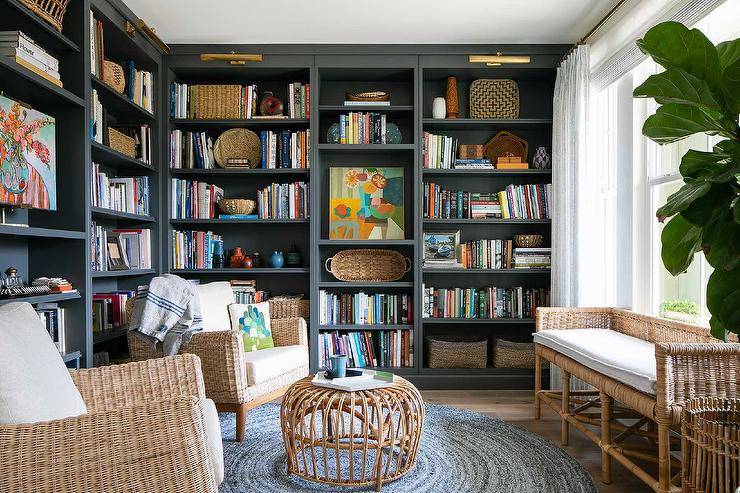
x=222, y=358
x=688, y=370
x=158, y=446
x=289, y=331
x=572, y=318
x=110, y=387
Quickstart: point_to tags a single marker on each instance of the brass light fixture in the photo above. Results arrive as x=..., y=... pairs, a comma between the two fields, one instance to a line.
x=148, y=33
x=498, y=59
x=232, y=58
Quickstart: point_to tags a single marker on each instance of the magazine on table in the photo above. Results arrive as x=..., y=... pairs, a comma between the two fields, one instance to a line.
x=369, y=379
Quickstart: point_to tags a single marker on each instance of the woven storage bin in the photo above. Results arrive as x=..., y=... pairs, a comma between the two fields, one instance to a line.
x=121, y=143
x=113, y=75
x=238, y=143
x=52, y=11
x=494, y=98
x=506, y=144
x=451, y=352
x=370, y=264
x=287, y=307
x=710, y=429
x=217, y=101
x=507, y=354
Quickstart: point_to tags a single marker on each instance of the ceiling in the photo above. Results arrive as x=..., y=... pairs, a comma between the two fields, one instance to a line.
x=376, y=22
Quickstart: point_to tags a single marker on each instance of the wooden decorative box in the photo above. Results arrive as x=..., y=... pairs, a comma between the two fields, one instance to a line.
x=470, y=151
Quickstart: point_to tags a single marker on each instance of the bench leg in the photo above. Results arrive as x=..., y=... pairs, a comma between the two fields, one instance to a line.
x=565, y=408
x=606, y=437
x=537, y=385
x=664, y=457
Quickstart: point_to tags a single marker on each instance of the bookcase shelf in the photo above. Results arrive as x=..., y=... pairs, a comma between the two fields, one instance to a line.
x=44, y=298
x=367, y=147
x=122, y=273
x=26, y=86
x=119, y=105
x=366, y=243
x=487, y=172
x=366, y=285
x=240, y=221
x=102, y=154
x=50, y=233
x=329, y=108
x=363, y=327
x=487, y=221
x=475, y=123
x=455, y=271
x=260, y=123
x=238, y=172
x=256, y=271
x=482, y=321
x=39, y=30
x=102, y=213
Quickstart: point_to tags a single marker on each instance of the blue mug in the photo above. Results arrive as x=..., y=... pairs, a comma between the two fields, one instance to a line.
x=338, y=366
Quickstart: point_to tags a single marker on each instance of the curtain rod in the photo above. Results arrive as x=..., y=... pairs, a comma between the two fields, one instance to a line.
x=593, y=30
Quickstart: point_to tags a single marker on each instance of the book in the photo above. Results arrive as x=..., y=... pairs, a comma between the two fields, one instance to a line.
x=52, y=316
x=195, y=249
x=370, y=379
x=33, y=68
x=364, y=309
x=482, y=302
x=383, y=348
x=367, y=103
x=284, y=201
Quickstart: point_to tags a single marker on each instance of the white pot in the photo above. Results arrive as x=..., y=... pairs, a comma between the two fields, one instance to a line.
x=439, y=109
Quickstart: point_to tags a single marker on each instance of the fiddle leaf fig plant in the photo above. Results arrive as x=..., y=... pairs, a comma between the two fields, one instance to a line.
x=699, y=92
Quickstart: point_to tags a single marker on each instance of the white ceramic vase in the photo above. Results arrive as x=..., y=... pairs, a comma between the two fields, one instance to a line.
x=439, y=109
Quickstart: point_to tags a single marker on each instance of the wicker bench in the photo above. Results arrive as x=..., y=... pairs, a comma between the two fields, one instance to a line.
x=689, y=363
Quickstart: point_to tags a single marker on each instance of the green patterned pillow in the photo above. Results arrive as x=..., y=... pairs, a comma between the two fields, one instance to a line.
x=253, y=319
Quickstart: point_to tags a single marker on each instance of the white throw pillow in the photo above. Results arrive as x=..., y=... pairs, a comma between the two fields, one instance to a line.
x=34, y=382
x=215, y=298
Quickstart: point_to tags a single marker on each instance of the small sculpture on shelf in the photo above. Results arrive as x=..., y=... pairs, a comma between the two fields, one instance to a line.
x=256, y=259
x=218, y=255
x=270, y=105
x=293, y=258
x=451, y=98
x=237, y=258
x=541, y=159
x=247, y=263
x=276, y=260
x=439, y=109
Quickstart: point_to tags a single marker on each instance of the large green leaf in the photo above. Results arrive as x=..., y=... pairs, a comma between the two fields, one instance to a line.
x=723, y=253
x=731, y=86
x=680, y=240
x=671, y=44
x=712, y=206
x=728, y=52
x=724, y=286
x=736, y=209
x=695, y=164
x=681, y=199
x=673, y=122
x=675, y=85
x=717, y=329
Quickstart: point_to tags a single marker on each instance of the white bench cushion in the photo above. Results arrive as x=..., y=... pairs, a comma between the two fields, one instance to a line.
x=34, y=382
x=266, y=364
x=624, y=358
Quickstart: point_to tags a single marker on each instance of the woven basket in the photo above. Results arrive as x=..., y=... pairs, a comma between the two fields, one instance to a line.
x=238, y=143
x=494, y=98
x=217, y=101
x=449, y=352
x=367, y=96
x=113, y=75
x=288, y=307
x=370, y=265
x=52, y=11
x=506, y=143
x=710, y=428
x=121, y=143
x=507, y=354
x=527, y=241
x=237, y=206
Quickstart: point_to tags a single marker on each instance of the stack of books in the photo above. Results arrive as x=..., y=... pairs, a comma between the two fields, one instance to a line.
x=362, y=128
x=442, y=203
x=97, y=119
x=383, y=348
x=17, y=46
x=194, y=249
x=348, y=102
x=285, y=149
x=487, y=254
x=526, y=201
x=98, y=248
x=473, y=164
x=299, y=100
x=283, y=201
x=109, y=310
x=364, y=309
x=245, y=291
x=52, y=316
x=137, y=247
x=532, y=258
x=194, y=199
x=55, y=284
x=129, y=194
x=133, y=248
x=483, y=303
x=439, y=151
x=191, y=150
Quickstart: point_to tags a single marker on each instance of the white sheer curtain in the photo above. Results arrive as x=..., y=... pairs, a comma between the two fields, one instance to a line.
x=569, y=161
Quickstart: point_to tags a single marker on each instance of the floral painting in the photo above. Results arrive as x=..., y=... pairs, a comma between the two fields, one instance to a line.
x=27, y=157
x=366, y=203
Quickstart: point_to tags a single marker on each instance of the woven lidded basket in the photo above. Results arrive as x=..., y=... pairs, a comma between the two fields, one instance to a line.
x=449, y=352
x=239, y=144
x=504, y=144
x=507, y=354
x=121, y=142
x=369, y=264
x=52, y=11
x=217, y=101
x=113, y=75
x=494, y=98
x=288, y=307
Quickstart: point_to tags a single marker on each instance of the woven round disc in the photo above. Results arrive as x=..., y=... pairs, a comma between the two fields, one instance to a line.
x=238, y=144
x=503, y=144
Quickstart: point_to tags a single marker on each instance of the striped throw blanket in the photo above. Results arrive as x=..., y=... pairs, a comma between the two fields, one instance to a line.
x=167, y=311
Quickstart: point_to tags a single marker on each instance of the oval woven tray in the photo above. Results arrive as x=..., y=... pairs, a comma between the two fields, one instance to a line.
x=505, y=143
x=369, y=264
x=238, y=143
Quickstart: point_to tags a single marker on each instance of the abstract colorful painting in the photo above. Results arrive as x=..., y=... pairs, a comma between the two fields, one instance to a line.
x=27, y=157
x=366, y=203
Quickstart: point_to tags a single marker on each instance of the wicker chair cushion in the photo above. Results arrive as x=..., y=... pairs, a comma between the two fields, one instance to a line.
x=213, y=432
x=266, y=364
x=215, y=298
x=34, y=382
x=624, y=358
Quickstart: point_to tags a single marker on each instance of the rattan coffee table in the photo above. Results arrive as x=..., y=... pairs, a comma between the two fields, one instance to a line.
x=351, y=438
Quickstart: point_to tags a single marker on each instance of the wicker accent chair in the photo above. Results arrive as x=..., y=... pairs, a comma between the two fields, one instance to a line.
x=225, y=364
x=144, y=431
x=689, y=363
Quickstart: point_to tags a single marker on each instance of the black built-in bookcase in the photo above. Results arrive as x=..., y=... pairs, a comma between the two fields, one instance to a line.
x=413, y=74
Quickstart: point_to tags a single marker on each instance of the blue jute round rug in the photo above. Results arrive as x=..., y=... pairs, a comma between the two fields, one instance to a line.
x=460, y=452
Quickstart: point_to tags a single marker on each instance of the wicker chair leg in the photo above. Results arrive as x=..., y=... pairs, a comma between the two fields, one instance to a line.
x=241, y=422
x=606, y=437
x=664, y=457
x=537, y=386
x=565, y=408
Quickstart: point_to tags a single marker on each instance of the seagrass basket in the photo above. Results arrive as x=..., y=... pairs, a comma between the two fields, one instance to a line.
x=455, y=352
x=507, y=354
x=288, y=307
x=121, y=142
x=217, y=101
x=113, y=75
x=52, y=11
x=368, y=264
x=238, y=148
x=494, y=98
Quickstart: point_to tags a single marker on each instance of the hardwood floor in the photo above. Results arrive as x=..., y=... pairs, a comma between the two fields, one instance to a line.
x=516, y=407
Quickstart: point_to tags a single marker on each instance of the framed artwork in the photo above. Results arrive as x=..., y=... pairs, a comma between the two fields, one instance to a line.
x=366, y=203
x=27, y=157
x=442, y=246
x=116, y=254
